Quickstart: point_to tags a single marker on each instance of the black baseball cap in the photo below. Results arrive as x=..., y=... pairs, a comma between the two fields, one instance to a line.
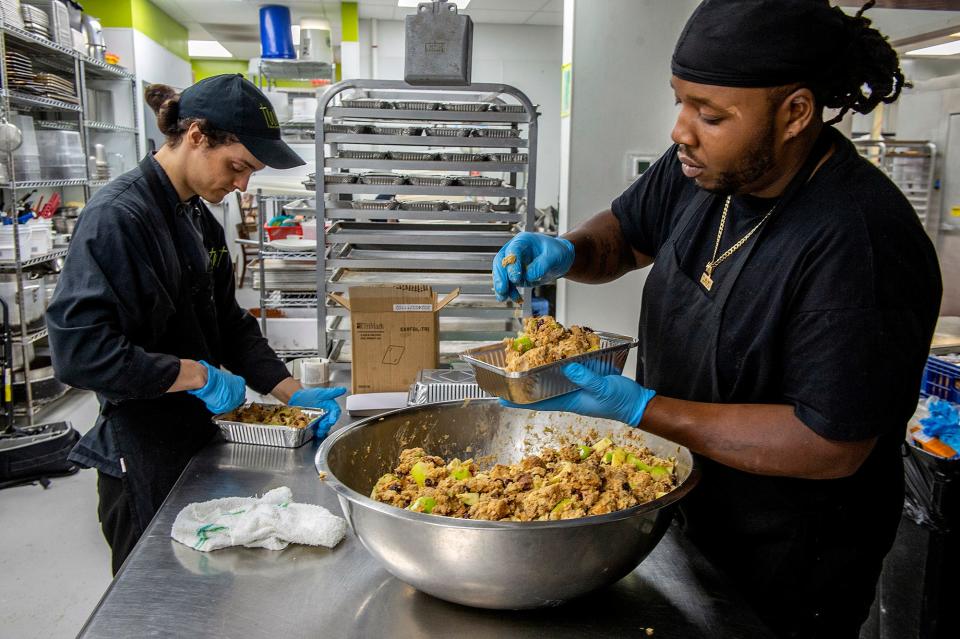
x=232, y=103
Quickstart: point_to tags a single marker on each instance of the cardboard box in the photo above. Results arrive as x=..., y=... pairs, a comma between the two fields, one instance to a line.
x=394, y=334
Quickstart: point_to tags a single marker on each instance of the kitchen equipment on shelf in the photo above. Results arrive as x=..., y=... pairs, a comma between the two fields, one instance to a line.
x=93, y=37
x=276, y=36
x=491, y=564
x=61, y=155
x=34, y=301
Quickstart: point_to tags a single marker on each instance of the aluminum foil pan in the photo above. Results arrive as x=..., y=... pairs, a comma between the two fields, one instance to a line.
x=545, y=381
x=416, y=105
x=444, y=385
x=471, y=207
x=496, y=133
x=392, y=179
x=411, y=156
x=469, y=107
x=374, y=205
x=339, y=178
x=265, y=434
x=431, y=180
x=513, y=158
x=354, y=129
x=450, y=132
x=511, y=108
x=366, y=103
x=401, y=130
x=349, y=154
x=424, y=205
x=479, y=180
x=463, y=157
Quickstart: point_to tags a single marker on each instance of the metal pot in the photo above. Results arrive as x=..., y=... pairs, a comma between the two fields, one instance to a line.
x=491, y=564
x=34, y=301
x=64, y=225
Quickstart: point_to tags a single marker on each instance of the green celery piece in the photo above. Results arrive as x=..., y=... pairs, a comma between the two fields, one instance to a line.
x=423, y=505
x=584, y=451
x=608, y=457
x=602, y=444
x=522, y=344
x=419, y=472
x=461, y=473
x=559, y=506
x=469, y=499
x=657, y=472
x=618, y=457
x=386, y=479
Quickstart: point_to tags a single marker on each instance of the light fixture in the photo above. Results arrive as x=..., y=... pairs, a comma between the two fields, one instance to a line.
x=947, y=48
x=207, y=49
x=461, y=4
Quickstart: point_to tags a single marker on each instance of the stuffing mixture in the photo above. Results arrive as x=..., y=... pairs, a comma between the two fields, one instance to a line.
x=566, y=483
x=271, y=415
x=544, y=341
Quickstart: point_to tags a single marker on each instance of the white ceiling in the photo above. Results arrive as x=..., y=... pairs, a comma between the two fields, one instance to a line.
x=235, y=22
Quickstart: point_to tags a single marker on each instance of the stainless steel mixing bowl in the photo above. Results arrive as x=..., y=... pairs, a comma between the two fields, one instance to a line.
x=491, y=564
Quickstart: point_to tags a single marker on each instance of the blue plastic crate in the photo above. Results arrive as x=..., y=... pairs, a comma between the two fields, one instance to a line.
x=941, y=379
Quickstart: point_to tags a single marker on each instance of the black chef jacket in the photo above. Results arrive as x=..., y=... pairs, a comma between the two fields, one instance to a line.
x=829, y=309
x=120, y=287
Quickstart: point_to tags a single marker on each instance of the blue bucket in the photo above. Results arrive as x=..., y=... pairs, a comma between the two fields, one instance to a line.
x=276, y=38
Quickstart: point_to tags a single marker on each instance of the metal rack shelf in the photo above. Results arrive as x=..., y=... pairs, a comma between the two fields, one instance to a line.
x=36, y=43
x=44, y=184
x=8, y=266
x=402, y=214
x=280, y=69
x=439, y=191
x=101, y=69
x=426, y=165
x=425, y=140
x=483, y=117
x=447, y=249
x=39, y=102
x=35, y=336
x=106, y=126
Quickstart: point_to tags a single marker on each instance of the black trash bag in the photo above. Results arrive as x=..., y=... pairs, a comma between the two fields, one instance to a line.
x=37, y=453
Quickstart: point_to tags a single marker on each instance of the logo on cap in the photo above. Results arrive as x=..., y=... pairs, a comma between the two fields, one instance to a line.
x=269, y=116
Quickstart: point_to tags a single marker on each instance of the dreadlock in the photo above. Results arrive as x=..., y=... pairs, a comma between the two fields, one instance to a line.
x=868, y=74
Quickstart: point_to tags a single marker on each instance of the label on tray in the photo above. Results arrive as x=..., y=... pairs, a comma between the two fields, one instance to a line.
x=408, y=308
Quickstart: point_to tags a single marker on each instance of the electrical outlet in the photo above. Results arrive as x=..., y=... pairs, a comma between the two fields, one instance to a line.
x=637, y=164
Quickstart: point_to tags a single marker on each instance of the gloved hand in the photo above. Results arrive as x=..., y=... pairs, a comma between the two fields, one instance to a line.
x=606, y=396
x=222, y=392
x=323, y=399
x=538, y=259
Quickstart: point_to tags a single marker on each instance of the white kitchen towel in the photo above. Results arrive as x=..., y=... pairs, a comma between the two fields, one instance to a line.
x=272, y=521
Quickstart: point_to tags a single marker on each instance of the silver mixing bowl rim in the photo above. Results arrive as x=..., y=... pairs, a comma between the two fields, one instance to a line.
x=360, y=499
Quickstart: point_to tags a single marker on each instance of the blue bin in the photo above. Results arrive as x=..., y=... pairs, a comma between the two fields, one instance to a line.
x=276, y=38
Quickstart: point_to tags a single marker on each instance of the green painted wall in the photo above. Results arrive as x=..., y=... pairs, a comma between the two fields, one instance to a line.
x=206, y=68
x=145, y=17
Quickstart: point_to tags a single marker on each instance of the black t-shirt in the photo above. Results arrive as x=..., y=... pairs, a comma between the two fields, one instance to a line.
x=835, y=308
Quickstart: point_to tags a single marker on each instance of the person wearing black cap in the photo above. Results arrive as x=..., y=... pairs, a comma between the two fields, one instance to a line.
x=144, y=312
x=788, y=313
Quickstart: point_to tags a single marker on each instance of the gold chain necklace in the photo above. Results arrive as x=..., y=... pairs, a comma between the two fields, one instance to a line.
x=706, y=280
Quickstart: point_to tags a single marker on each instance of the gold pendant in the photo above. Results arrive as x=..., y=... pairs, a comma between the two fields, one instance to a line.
x=706, y=281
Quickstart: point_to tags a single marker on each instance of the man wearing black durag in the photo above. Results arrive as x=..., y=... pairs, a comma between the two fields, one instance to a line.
x=788, y=311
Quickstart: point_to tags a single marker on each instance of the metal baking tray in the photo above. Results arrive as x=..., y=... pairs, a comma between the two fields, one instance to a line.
x=349, y=154
x=431, y=180
x=544, y=382
x=416, y=105
x=463, y=157
x=469, y=107
x=471, y=207
x=374, y=205
x=265, y=434
x=450, y=132
x=513, y=158
x=478, y=180
x=444, y=385
x=339, y=178
x=366, y=103
x=496, y=133
x=412, y=156
x=392, y=179
x=425, y=205
x=394, y=130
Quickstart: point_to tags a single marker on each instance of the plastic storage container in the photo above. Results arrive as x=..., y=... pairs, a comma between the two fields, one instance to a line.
x=61, y=155
x=941, y=379
x=276, y=36
x=6, y=242
x=26, y=159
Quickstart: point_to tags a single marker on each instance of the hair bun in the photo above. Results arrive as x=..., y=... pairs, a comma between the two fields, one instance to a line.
x=158, y=95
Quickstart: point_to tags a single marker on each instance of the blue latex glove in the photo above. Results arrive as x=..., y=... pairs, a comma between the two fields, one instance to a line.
x=222, y=392
x=606, y=396
x=539, y=259
x=320, y=398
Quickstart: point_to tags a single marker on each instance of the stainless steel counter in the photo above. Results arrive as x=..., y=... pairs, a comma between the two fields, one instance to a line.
x=166, y=589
